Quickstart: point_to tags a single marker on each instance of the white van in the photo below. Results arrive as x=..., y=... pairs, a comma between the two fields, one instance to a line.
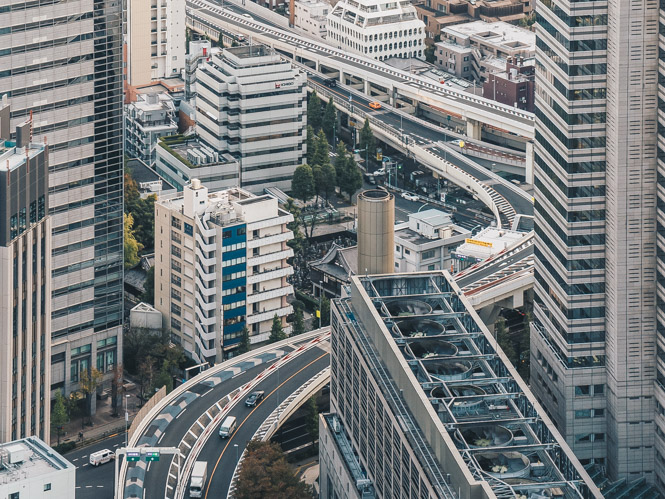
x=101, y=457
x=198, y=480
x=227, y=427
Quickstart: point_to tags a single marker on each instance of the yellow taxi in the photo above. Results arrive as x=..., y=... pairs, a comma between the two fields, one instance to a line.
x=375, y=105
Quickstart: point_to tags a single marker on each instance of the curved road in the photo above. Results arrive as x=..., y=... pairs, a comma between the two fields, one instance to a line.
x=222, y=455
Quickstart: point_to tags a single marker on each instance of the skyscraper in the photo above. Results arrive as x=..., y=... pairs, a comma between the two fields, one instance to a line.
x=62, y=61
x=593, y=348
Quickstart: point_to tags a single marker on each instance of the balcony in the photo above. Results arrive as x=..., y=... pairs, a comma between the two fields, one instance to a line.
x=270, y=294
x=204, y=275
x=275, y=238
x=206, y=352
x=205, y=290
x=204, y=260
x=270, y=257
x=205, y=246
x=206, y=321
x=205, y=334
x=270, y=222
x=270, y=274
x=204, y=304
x=269, y=314
x=204, y=230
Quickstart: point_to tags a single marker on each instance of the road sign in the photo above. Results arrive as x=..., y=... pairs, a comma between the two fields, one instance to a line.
x=133, y=456
x=152, y=456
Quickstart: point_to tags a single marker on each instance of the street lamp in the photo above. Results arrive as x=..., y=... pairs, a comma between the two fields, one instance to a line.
x=237, y=458
x=127, y=395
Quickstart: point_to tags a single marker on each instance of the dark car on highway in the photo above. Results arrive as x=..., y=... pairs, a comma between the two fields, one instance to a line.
x=254, y=398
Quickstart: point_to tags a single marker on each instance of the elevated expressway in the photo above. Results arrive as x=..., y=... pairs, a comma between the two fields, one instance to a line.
x=374, y=77
x=189, y=417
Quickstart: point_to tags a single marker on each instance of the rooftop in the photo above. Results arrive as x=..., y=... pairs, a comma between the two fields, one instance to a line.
x=147, y=179
x=497, y=33
x=490, y=241
x=250, y=51
x=29, y=456
x=194, y=153
x=13, y=157
x=433, y=217
x=431, y=345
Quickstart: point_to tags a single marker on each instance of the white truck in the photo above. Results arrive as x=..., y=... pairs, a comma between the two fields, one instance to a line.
x=198, y=480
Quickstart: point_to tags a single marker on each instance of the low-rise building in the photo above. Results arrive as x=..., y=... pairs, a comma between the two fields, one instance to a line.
x=220, y=266
x=145, y=316
x=30, y=469
x=150, y=117
x=311, y=17
x=514, y=86
x=199, y=52
x=471, y=50
x=486, y=244
x=377, y=29
x=179, y=159
x=426, y=241
x=332, y=272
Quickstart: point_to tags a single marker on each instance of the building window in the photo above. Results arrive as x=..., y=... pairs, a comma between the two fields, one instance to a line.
x=47, y=487
x=406, y=251
x=175, y=222
x=428, y=254
x=189, y=230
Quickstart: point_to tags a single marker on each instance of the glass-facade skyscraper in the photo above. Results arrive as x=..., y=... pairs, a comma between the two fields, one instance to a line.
x=61, y=60
x=594, y=336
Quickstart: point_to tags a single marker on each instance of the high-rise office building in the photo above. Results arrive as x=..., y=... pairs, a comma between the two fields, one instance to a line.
x=252, y=104
x=594, y=336
x=25, y=293
x=156, y=41
x=220, y=266
x=62, y=61
x=424, y=404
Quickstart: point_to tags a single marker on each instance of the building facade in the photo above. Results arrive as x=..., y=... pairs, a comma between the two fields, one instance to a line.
x=252, y=104
x=71, y=81
x=199, y=52
x=31, y=469
x=25, y=295
x=426, y=241
x=515, y=86
x=598, y=323
x=220, y=266
x=377, y=29
x=311, y=17
x=156, y=41
x=430, y=406
x=150, y=117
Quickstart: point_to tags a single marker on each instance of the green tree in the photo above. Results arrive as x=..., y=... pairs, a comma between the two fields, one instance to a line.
x=298, y=241
x=132, y=247
x=429, y=54
x=59, y=414
x=302, y=185
x=298, y=322
x=163, y=378
x=311, y=417
x=325, y=311
x=329, y=120
x=314, y=116
x=144, y=221
x=327, y=179
x=146, y=376
x=311, y=145
x=367, y=141
x=266, y=473
x=349, y=178
x=276, y=331
x=322, y=150
x=244, y=345
x=148, y=295
x=89, y=380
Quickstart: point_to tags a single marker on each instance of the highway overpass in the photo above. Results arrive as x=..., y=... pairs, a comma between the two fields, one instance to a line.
x=188, y=418
x=373, y=77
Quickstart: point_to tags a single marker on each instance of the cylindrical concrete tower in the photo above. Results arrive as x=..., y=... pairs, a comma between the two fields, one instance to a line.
x=376, y=232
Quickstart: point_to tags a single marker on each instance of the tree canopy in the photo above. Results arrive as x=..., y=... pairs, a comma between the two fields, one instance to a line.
x=277, y=332
x=243, y=346
x=302, y=185
x=366, y=140
x=132, y=246
x=298, y=322
x=349, y=178
x=329, y=120
x=265, y=473
x=314, y=115
x=311, y=144
x=59, y=414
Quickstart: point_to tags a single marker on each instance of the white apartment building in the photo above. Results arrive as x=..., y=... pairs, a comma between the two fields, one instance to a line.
x=311, y=17
x=156, y=40
x=220, y=265
x=377, y=29
x=25, y=293
x=30, y=469
x=199, y=52
x=150, y=117
x=426, y=241
x=252, y=104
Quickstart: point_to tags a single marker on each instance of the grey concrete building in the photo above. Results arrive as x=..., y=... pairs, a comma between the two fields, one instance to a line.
x=25, y=293
x=597, y=305
x=62, y=62
x=429, y=404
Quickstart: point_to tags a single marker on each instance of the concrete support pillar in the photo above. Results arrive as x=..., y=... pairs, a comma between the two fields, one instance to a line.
x=529, y=163
x=366, y=87
x=489, y=315
x=317, y=66
x=342, y=77
x=392, y=92
x=473, y=129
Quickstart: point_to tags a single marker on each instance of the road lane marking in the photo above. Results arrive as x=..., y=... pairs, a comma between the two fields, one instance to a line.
x=181, y=412
x=252, y=412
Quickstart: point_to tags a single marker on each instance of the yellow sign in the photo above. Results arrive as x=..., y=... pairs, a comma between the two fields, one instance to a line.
x=461, y=144
x=479, y=243
x=318, y=314
x=379, y=156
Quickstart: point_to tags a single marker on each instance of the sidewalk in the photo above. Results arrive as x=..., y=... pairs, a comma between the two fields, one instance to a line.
x=104, y=423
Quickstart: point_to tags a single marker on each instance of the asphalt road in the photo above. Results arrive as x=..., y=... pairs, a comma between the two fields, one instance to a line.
x=222, y=455
x=434, y=137
x=94, y=482
x=491, y=268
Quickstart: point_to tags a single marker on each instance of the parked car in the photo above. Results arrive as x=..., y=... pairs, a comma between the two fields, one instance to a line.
x=101, y=457
x=375, y=105
x=410, y=197
x=380, y=171
x=254, y=398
